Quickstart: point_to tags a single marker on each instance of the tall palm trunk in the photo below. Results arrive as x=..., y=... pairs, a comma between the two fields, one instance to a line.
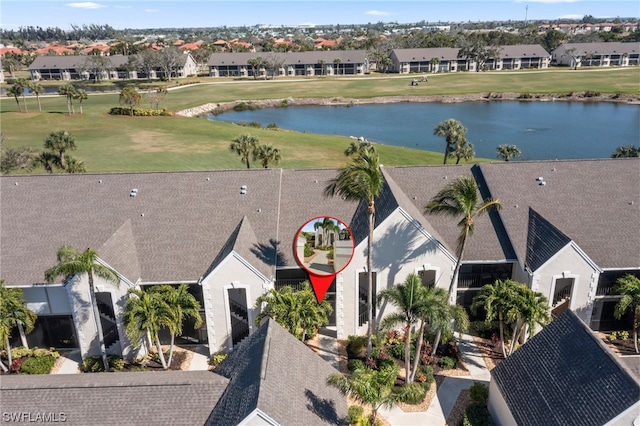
x=416, y=358
x=23, y=336
x=371, y=327
x=9, y=357
x=456, y=270
x=96, y=316
x=407, y=354
x=38, y=99
x=160, y=353
x=636, y=323
x=436, y=340
x=173, y=336
x=24, y=101
x=501, y=323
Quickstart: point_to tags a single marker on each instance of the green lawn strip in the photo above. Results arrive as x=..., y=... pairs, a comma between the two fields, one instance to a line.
x=129, y=144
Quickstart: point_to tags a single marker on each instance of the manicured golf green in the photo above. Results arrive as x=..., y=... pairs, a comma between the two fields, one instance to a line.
x=128, y=144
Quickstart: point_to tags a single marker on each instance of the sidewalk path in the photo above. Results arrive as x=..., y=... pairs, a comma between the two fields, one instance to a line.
x=200, y=359
x=71, y=363
x=448, y=391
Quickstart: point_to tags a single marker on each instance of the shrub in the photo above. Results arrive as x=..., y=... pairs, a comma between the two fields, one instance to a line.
x=591, y=94
x=216, y=359
x=140, y=112
x=525, y=96
x=396, y=350
x=355, y=364
x=245, y=106
x=613, y=335
x=477, y=415
x=115, y=362
x=38, y=365
x=354, y=414
x=16, y=364
x=479, y=393
x=447, y=363
x=284, y=103
x=308, y=250
x=272, y=126
x=355, y=345
x=623, y=335
x=413, y=393
x=93, y=364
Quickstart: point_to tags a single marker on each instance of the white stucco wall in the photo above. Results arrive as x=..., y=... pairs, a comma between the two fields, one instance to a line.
x=232, y=273
x=569, y=263
x=400, y=247
x=498, y=409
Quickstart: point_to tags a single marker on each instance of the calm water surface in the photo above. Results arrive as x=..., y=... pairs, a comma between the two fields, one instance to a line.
x=542, y=130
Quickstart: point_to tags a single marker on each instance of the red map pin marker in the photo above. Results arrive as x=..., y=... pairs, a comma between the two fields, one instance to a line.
x=323, y=247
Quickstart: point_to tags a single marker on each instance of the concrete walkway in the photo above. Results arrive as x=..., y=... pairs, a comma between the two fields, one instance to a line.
x=70, y=363
x=200, y=359
x=448, y=391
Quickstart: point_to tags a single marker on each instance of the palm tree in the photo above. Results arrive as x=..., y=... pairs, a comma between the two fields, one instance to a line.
x=59, y=142
x=408, y=298
x=507, y=152
x=321, y=62
x=533, y=310
x=626, y=151
x=47, y=160
x=70, y=263
x=182, y=305
x=81, y=95
x=144, y=314
x=69, y=91
x=463, y=150
x=23, y=84
x=629, y=287
x=16, y=91
x=298, y=311
x=37, y=89
x=453, y=131
x=358, y=147
x=337, y=62
x=73, y=165
x=434, y=64
x=369, y=387
x=461, y=198
x=499, y=301
x=267, y=154
x=255, y=64
x=327, y=225
x=13, y=314
x=245, y=145
x=361, y=180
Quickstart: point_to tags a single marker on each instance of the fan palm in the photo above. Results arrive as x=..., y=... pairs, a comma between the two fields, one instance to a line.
x=369, y=387
x=16, y=92
x=357, y=147
x=507, y=152
x=267, y=154
x=23, y=84
x=13, y=314
x=244, y=145
x=453, y=131
x=81, y=95
x=629, y=287
x=182, y=305
x=463, y=150
x=69, y=91
x=37, y=89
x=461, y=198
x=362, y=180
x=409, y=298
x=70, y=263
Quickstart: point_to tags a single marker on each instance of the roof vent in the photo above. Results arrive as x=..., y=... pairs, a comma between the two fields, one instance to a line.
x=141, y=214
x=542, y=183
x=16, y=183
x=540, y=179
x=134, y=192
x=243, y=189
x=100, y=181
x=208, y=179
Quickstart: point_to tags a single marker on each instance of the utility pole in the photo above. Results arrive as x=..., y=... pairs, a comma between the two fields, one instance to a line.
x=526, y=12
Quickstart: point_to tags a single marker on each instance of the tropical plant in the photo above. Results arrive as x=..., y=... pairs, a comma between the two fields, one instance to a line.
x=13, y=314
x=408, y=298
x=183, y=305
x=81, y=95
x=16, y=91
x=461, y=198
x=71, y=263
x=22, y=158
x=362, y=180
x=533, y=310
x=245, y=146
x=507, y=152
x=130, y=97
x=47, y=160
x=73, y=165
x=23, y=84
x=60, y=142
x=629, y=287
x=454, y=133
x=37, y=89
x=373, y=388
x=626, y=151
x=298, y=311
x=69, y=91
x=463, y=150
x=358, y=147
x=145, y=313
x=255, y=64
x=267, y=154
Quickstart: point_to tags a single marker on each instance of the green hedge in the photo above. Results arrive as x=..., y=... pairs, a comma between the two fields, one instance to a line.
x=38, y=365
x=477, y=415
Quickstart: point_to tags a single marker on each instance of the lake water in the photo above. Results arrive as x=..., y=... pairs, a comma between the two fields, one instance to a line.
x=542, y=130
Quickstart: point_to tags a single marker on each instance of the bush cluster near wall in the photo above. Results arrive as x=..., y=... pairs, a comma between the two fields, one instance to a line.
x=33, y=361
x=140, y=112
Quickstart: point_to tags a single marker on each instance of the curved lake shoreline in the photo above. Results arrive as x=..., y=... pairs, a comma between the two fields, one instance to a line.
x=221, y=107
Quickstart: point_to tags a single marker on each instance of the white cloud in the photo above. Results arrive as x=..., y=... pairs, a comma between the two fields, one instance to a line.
x=377, y=13
x=86, y=5
x=571, y=16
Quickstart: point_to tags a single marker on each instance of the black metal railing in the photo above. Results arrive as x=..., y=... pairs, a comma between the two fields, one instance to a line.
x=239, y=310
x=110, y=335
x=562, y=294
x=295, y=283
x=239, y=330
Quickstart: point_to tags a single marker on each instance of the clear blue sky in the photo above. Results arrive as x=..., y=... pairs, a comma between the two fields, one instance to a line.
x=122, y=14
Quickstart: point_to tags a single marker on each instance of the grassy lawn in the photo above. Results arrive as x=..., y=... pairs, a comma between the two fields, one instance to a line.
x=125, y=144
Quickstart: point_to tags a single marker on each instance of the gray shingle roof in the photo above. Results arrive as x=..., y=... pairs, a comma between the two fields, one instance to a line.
x=426, y=54
x=71, y=61
x=600, y=48
x=141, y=398
x=596, y=203
x=543, y=241
x=274, y=372
x=565, y=376
x=523, y=51
x=290, y=58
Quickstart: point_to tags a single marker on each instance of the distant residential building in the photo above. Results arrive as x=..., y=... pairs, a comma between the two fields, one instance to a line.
x=597, y=54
